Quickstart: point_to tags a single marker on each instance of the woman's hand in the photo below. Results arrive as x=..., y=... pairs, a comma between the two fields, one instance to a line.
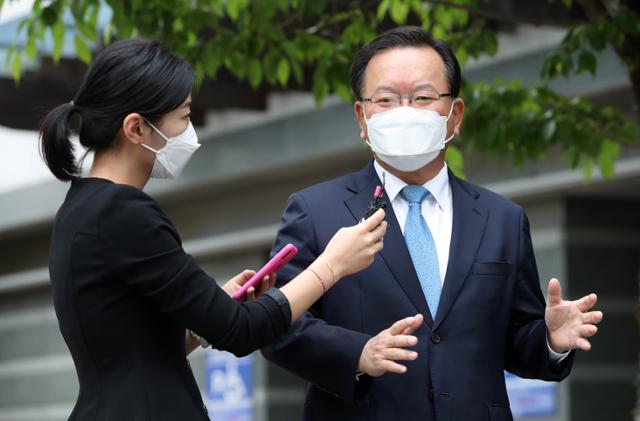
x=353, y=249
x=190, y=343
x=230, y=287
x=235, y=283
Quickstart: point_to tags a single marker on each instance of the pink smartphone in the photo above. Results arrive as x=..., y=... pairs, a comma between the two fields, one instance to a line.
x=274, y=265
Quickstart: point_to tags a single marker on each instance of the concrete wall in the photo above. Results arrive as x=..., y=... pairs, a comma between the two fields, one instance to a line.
x=603, y=255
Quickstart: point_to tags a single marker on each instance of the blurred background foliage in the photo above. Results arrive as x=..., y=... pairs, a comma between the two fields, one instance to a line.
x=310, y=43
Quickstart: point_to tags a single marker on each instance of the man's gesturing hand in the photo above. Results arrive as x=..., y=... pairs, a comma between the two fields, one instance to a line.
x=570, y=323
x=382, y=351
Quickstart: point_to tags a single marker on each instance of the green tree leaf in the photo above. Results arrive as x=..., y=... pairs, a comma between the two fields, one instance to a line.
x=82, y=50
x=344, y=92
x=298, y=73
x=383, y=7
x=49, y=15
x=399, y=11
x=549, y=130
x=609, y=151
x=16, y=67
x=455, y=160
x=283, y=71
x=30, y=48
x=178, y=25
x=107, y=33
x=58, y=35
x=87, y=31
x=255, y=72
x=587, y=61
x=233, y=9
x=320, y=86
x=10, y=52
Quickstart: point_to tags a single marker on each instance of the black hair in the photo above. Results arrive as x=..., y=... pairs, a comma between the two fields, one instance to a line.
x=130, y=76
x=403, y=37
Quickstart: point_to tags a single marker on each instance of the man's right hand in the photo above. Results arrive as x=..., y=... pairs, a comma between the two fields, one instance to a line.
x=381, y=352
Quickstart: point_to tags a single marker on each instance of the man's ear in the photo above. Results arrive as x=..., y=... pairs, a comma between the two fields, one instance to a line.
x=135, y=129
x=358, y=107
x=458, y=115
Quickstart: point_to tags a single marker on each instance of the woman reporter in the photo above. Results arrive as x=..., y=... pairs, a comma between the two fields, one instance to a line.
x=124, y=290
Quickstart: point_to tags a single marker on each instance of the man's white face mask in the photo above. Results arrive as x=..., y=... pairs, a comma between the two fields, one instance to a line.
x=173, y=157
x=407, y=138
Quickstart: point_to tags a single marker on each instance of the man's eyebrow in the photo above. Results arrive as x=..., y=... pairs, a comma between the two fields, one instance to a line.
x=186, y=104
x=422, y=86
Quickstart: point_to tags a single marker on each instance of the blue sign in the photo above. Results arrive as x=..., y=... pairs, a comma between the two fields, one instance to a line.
x=229, y=386
x=531, y=398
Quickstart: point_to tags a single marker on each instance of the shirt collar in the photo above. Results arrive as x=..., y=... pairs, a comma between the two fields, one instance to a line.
x=438, y=186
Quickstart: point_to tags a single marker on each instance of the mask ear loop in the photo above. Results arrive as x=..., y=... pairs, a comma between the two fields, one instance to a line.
x=366, y=121
x=157, y=131
x=448, y=117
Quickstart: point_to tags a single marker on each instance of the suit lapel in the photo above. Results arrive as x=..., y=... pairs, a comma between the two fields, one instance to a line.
x=469, y=222
x=395, y=253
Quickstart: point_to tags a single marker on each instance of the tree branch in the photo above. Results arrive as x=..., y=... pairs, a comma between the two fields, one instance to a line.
x=592, y=8
x=488, y=14
x=628, y=51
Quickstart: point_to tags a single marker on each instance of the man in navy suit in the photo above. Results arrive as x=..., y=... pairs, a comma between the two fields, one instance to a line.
x=454, y=298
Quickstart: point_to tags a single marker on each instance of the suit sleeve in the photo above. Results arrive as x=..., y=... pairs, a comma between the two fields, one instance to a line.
x=327, y=356
x=143, y=250
x=527, y=354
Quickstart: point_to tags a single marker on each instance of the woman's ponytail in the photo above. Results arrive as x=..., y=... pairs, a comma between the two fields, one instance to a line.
x=55, y=145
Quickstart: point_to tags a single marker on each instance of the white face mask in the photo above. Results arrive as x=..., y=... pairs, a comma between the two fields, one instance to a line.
x=172, y=158
x=407, y=138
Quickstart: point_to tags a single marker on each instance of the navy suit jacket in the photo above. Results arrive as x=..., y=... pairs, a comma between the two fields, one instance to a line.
x=490, y=317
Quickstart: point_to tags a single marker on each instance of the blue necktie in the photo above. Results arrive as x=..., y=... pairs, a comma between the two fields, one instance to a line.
x=421, y=246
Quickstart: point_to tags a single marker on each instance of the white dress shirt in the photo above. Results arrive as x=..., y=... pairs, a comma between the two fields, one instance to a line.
x=437, y=210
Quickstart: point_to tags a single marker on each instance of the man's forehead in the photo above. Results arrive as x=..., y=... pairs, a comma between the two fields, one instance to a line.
x=407, y=67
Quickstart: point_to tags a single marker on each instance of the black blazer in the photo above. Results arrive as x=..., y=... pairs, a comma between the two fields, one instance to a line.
x=490, y=317
x=124, y=291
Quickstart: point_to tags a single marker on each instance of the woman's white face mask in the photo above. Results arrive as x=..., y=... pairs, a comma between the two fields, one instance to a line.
x=407, y=138
x=173, y=157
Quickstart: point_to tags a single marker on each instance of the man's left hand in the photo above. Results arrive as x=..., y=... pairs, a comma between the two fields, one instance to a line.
x=570, y=323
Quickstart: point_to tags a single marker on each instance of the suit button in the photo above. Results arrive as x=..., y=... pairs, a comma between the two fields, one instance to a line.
x=430, y=394
x=435, y=338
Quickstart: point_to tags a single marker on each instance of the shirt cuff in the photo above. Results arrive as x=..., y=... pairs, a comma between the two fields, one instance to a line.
x=556, y=357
